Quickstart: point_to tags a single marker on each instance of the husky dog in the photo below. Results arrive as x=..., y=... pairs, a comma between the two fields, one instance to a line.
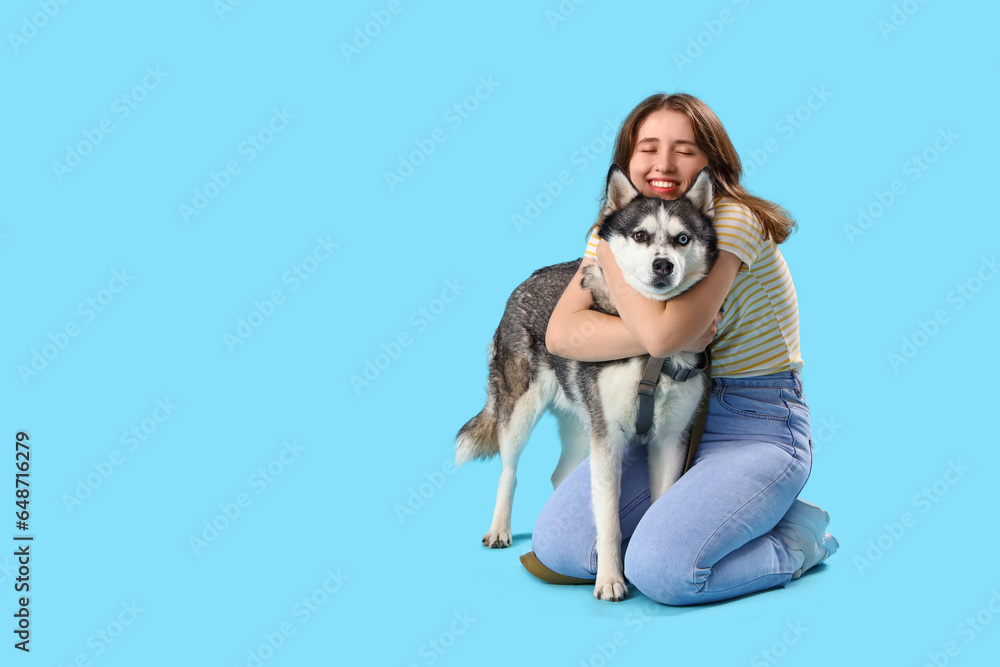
x=663, y=248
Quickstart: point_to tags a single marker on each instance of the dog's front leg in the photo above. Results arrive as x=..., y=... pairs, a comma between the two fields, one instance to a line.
x=605, y=483
x=667, y=455
x=575, y=439
x=668, y=449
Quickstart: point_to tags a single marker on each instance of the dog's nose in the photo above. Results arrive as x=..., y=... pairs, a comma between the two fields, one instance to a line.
x=662, y=267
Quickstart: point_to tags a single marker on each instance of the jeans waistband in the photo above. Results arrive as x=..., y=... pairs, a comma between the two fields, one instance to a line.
x=792, y=379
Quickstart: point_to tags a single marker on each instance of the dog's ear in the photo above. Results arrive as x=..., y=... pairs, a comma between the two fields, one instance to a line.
x=701, y=194
x=620, y=190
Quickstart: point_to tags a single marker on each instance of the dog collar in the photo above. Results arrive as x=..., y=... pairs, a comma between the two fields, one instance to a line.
x=651, y=377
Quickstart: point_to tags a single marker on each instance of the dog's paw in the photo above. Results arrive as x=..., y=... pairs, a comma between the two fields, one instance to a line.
x=612, y=589
x=497, y=539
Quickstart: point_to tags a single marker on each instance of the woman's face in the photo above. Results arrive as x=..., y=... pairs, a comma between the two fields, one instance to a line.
x=666, y=160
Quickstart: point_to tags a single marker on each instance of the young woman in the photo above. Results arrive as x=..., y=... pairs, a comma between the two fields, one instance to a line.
x=732, y=524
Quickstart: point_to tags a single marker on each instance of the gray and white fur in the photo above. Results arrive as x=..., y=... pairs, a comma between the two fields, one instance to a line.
x=663, y=248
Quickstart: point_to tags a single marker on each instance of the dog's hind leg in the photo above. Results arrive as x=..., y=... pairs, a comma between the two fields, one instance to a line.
x=513, y=435
x=575, y=440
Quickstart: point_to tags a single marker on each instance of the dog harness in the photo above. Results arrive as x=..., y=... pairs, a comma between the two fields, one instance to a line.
x=651, y=377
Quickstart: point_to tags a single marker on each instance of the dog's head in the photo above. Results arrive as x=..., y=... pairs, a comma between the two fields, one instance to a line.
x=662, y=246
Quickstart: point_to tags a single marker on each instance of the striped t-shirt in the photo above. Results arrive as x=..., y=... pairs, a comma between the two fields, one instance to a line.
x=759, y=331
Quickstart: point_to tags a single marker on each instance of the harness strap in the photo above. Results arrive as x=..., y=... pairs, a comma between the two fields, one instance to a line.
x=651, y=377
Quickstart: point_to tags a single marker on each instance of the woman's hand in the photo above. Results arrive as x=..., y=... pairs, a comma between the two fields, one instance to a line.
x=577, y=332
x=603, y=252
x=706, y=338
x=606, y=260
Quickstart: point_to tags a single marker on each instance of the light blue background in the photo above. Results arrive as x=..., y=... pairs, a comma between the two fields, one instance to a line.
x=891, y=429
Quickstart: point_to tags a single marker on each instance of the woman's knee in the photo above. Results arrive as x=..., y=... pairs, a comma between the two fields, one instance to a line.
x=564, y=535
x=663, y=569
x=558, y=545
x=664, y=579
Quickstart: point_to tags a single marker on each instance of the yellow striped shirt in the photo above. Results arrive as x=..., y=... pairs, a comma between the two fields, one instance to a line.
x=759, y=331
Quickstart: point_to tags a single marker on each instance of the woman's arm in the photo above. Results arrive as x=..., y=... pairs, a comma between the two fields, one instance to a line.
x=664, y=328
x=576, y=332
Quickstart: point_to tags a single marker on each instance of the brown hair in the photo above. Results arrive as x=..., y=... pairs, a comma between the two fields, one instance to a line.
x=723, y=161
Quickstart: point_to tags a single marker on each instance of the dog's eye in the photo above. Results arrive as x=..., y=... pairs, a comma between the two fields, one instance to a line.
x=639, y=236
x=683, y=239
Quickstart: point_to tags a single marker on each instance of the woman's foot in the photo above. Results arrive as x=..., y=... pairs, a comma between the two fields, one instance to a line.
x=803, y=528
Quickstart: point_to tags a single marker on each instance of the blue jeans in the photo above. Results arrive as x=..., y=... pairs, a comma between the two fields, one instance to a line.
x=709, y=536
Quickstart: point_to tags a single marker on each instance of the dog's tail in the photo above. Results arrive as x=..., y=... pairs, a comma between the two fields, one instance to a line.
x=478, y=438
